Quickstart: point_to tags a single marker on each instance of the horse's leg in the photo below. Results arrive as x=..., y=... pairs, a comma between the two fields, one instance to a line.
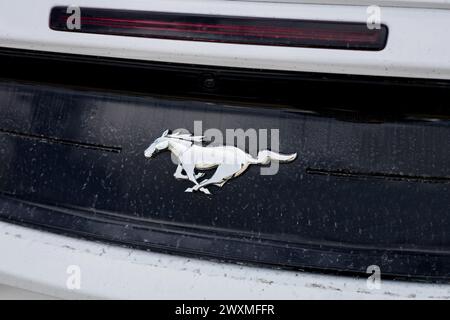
x=191, y=176
x=238, y=173
x=221, y=184
x=179, y=175
x=199, y=175
x=223, y=173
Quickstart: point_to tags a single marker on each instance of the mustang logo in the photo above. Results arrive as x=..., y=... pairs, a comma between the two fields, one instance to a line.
x=229, y=161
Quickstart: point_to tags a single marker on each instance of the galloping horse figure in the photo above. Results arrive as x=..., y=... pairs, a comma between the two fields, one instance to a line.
x=229, y=160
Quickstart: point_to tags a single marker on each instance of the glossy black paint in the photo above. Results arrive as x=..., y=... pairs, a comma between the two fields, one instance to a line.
x=367, y=188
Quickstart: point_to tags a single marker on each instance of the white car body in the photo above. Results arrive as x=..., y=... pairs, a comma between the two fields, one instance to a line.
x=38, y=261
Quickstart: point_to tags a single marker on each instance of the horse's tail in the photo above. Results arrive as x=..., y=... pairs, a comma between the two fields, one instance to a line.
x=265, y=156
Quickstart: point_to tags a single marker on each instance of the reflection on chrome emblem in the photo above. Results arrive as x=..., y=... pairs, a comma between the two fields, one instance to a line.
x=229, y=160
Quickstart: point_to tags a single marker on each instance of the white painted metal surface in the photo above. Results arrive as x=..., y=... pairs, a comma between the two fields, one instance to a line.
x=38, y=261
x=436, y=4
x=11, y=293
x=418, y=43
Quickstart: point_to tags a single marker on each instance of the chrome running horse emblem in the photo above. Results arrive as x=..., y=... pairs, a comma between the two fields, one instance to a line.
x=229, y=160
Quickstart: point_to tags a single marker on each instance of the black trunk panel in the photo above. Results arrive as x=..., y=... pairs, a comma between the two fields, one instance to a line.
x=365, y=190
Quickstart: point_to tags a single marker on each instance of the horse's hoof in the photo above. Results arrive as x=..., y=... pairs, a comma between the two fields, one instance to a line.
x=188, y=190
x=205, y=191
x=199, y=175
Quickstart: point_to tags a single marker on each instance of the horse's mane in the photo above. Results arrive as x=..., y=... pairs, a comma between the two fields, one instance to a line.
x=186, y=137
